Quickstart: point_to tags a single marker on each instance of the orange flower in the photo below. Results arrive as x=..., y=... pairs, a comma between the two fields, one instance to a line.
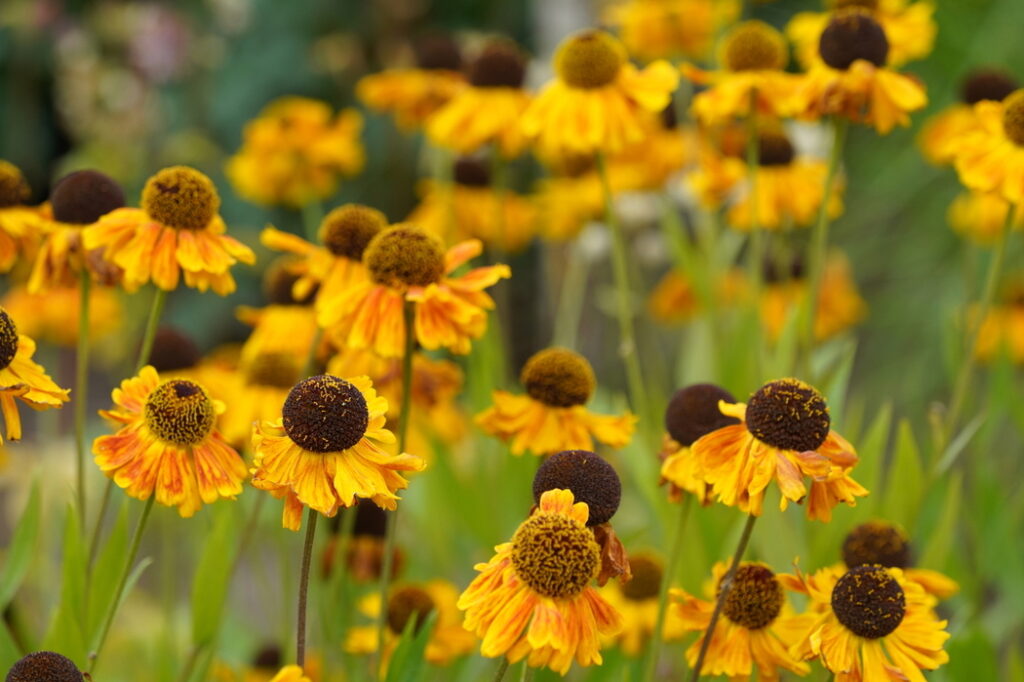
x=19, y=223
x=990, y=158
x=21, y=378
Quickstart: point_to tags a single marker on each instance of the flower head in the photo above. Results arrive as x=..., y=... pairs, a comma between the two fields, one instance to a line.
x=590, y=478
x=44, y=666
x=990, y=157
x=637, y=602
x=878, y=543
x=21, y=378
x=663, y=29
x=20, y=224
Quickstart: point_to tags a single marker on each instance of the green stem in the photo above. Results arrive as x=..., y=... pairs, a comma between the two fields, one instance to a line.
x=307, y=555
x=819, y=245
x=82, y=387
x=392, y=518
x=499, y=675
x=149, y=335
x=670, y=571
x=723, y=592
x=570, y=299
x=133, y=551
x=627, y=339
x=757, y=241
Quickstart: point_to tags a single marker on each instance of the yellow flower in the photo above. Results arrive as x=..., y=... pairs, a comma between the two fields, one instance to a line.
x=291, y=673
x=939, y=138
x=754, y=57
x=872, y=624
x=266, y=667
x=990, y=157
x=637, y=603
x=665, y=29
x=323, y=451
x=448, y=639
x=470, y=207
x=178, y=229
x=567, y=201
x=19, y=223
x=405, y=263
x=691, y=413
x=646, y=165
x=596, y=103
x=839, y=305
x=257, y=390
x=22, y=379
x=167, y=444
x=414, y=94
x=784, y=435
x=981, y=216
x=294, y=152
x=1002, y=330
x=909, y=26
x=852, y=80
x=675, y=300
x=53, y=316
x=716, y=177
x=77, y=202
x=756, y=627
x=488, y=109
x=534, y=600
x=553, y=416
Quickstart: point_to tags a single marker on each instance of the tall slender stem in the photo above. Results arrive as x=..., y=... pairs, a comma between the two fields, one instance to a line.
x=723, y=592
x=757, y=237
x=627, y=337
x=570, y=298
x=82, y=387
x=666, y=581
x=392, y=518
x=307, y=554
x=149, y=335
x=819, y=245
x=133, y=551
x=499, y=675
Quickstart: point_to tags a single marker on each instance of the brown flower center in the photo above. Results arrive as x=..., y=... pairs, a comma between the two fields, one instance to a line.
x=8, y=339
x=408, y=603
x=788, y=414
x=1013, y=117
x=693, y=412
x=555, y=555
x=13, y=188
x=559, y=378
x=470, y=171
x=437, y=51
x=181, y=197
x=268, y=658
x=84, y=197
x=876, y=542
x=870, y=5
x=173, y=350
x=851, y=35
x=179, y=412
x=646, y=582
x=347, y=230
x=869, y=602
x=993, y=85
x=44, y=666
x=278, y=370
x=325, y=414
x=404, y=256
x=755, y=598
x=590, y=478
x=754, y=46
x=774, y=149
x=499, y=65
x=279, y=281
x=589, y=59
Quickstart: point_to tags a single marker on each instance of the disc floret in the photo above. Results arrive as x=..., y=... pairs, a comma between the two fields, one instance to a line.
x=13, y=188
x=404, y=256
x=558, y=377
x=869, y=602
x=754, y=46
x=755, y=598
x=876, y=543
x=589, y=59
x=8, y=339
x=347, y=230
x=179, y=411
x=555, y=555
x=181, y=197
x=408, y=603
x=590, y=478
x=325, y=414
x=851, y=35
x=693, y=412
x=1013, y=117
x=788, y=414
x=647, y=576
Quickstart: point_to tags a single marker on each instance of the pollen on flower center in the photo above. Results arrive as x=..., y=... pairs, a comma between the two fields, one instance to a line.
x=876, y=542
x=754, y=46
x=851, y=35
x=325, y=414
x=8, y=339
x=180, y=412
x=44, y=666
x=404, y=256
x=590, y=59
x=408, y=603
x=181, y=197
x=755, y=598
x=347, y=230
x=590, y=478
x=788, y=414
x=83, y=197
x=13, y=188
x=280, y=370
x=774, y=149
x=1013, y=117
x=693, y=412
x=869, y=602
x=993, y=85
x=558, y=377
x=646, y=582
x=555, y=555
x=499, y=65
x=471, y=172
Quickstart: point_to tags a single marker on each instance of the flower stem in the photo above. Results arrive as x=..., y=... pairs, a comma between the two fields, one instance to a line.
x=757, y=236
x=670, y=570
x=133, y=551
x=499, y=675
x=307, y=554
x=570, y=298
x=723, y=592
x=819, y=246
x=149, y=335
x=392, y=518
x=82, y=387
x=627, y=338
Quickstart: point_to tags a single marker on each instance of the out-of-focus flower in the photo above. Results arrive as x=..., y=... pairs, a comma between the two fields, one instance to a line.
x=852, y=79
x=553, y=415
x=940, y=134
x=487, y=110
x=295, y=151
x=909, y=25
x=597, y=101
x=178, y=229
x=637, y=602
x=568, y=198
x=469, y=208
x=1002, y=330
x=21, y=378
x=20, y=223
x=53, y=316
x=981, y=216
x=990, y=157
x=669, y=29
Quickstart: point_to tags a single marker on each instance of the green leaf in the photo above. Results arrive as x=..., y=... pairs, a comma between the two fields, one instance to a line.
x=21, y=549
x=904, y=479
x=210, y=584
x=106, y=572
x=406, y=663
x=66, y=633
x=871, y=448
x=958, y=444
x=940, y=540
x=9, y=652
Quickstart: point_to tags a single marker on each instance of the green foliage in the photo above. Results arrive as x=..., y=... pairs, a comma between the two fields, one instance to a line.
x=22, y=549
